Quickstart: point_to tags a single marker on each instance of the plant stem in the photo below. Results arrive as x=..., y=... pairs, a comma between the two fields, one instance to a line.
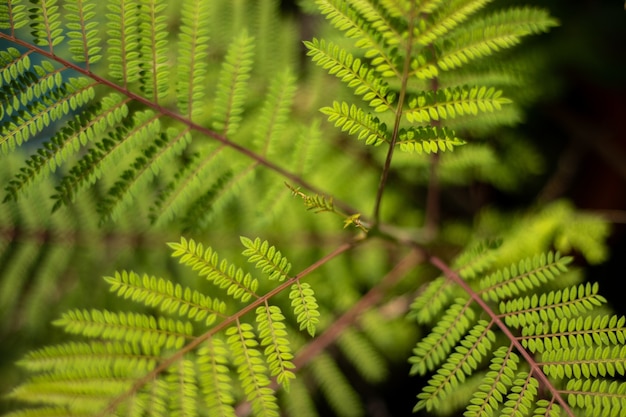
x=398, y=118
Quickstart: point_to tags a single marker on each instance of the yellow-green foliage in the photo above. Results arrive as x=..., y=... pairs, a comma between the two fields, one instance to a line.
x=126, y=124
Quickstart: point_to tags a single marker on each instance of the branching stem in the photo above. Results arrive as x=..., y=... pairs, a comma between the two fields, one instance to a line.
x=113, y=405
x=534, y=367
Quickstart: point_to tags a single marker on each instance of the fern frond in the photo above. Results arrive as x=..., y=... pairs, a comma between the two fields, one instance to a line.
x=380, y=22
x=357, y=122
x=374, y=37
x=475, y=259
x=567, y=303
x=46, y=24
x=42, y=107
x=266, y=258
x=183, y=384
x=597, y=397
x=142, y=172
x=81, y=355
x=78, y=390
x=523, y=276
x=433, y=298
x=192, y=53
x=363, y=356
x=215, y=380
x=82, y=31
x=273, y=337
x=453, y=102
x=446, y=17
x=168, y=297
x=83, y=129
x=237, y=284
x=129, y=327
x=13, y=16
x=493, y=33
x=576, y=332
x=496, y=383
x=106, y=155
x=428, y=139
x=123, y=42
x=305, y=306
x=232, y=85
x=522, y=396
x=152, y=37
x=275, y=111
x=251, y=369
x=585, y=362
x=353, y=72
x=433, y=349
x=459, y=365
x=335, y=387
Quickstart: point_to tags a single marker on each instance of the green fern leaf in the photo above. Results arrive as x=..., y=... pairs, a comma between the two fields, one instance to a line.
x=522, y=396
x=129, y=327
x=146, y=167
x=496, y=383
x=232, y=85
x=38, y=109
x=493, y=33
x=13, y=16
x=305, y=306
x=215, y=381
x=266, y=258
x=353, y=72
x=585, y=362
x=576, y=332
x=168, y=297
x=363, y=356
x=597, y=397
x=458, y=365
x=432, y=349
x=152, y=37
x=82, y=31
x=46, y=24
x=432, y=299
x=336, y=388
x=83, y=129
x=107, y=154
x=523, y=276
x=251, y=369
x=275, y=112
x=476, y=259
x=192, y=53
x=446, y=17
x=452, y=102
x=375, y=42
x=427, y=139
x=273, y=337
x=123, y=42
x=237, y=284
x=75, y=355
x=554, y=305
x=357, y=122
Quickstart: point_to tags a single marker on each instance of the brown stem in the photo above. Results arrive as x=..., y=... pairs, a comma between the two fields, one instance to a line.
x=398, y=117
